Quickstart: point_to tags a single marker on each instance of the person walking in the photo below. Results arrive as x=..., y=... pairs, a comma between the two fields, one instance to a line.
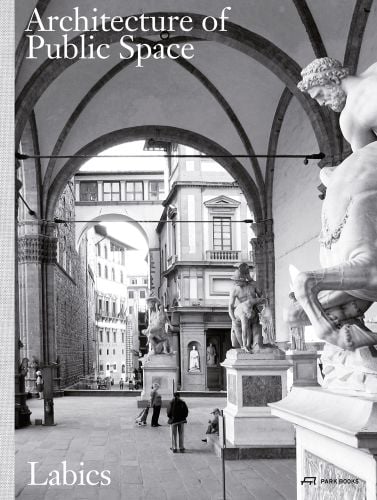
x=121, y=384
x=155, y=404
x=177, y=412
x=39, y=384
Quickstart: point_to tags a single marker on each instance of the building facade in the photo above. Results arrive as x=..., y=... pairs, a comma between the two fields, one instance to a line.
x=113, y=329
x=202, y=238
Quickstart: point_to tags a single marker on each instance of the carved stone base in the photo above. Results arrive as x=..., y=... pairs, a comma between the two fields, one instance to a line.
x=336, y=436
x=254, y=380
x=350, y=371
x=304, y=367
x=161, y=369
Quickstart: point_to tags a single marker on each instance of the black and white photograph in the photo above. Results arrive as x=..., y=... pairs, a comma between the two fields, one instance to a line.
x=188, y=250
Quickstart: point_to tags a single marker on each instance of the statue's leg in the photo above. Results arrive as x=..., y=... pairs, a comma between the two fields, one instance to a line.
x=237, y=333
x=246, y=333
x=353, y=275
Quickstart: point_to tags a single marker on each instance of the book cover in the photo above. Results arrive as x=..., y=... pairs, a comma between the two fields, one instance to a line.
x=194, y=80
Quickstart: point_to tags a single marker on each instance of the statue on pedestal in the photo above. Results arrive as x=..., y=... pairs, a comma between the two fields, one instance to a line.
x=297, y=331
x=194, y=360
x=335, y=298
x=243, y=299
x=157, y=331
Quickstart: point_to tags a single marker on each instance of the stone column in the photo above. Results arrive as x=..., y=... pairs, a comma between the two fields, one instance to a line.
x=264, y=259
x=36, y=261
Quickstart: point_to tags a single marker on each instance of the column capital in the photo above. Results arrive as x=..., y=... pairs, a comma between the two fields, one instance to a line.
x=37, y=248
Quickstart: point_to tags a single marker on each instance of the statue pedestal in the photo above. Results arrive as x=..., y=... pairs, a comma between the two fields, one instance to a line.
x=336, y=442
x=304, y=367
x=160, y=368
x=253, y=381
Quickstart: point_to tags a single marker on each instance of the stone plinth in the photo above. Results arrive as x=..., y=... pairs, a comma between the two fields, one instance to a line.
x=336, y=442
x=254, y=380
x=304, y=367
x=160, y=368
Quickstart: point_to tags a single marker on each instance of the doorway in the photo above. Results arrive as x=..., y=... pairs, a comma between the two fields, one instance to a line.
x=217, y=344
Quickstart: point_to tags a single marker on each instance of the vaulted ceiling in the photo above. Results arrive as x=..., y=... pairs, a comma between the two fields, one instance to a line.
x=231, y=98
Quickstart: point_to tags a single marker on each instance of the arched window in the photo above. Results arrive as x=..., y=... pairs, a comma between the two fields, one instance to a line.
x=105, y=252
x=121, y=276
x=99, y=270
x=113, y=274
x=106, y=273
x=99, y=250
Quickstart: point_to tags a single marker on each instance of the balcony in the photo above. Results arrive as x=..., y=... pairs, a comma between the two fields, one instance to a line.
x=223, y=255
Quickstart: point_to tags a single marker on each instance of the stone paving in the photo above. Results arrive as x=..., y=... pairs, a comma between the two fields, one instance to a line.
x=100, y=432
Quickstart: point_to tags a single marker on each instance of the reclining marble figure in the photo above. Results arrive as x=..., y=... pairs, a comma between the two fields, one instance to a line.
x=335, y=298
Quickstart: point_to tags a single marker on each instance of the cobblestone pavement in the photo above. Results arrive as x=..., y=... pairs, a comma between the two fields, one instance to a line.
x=100, y=432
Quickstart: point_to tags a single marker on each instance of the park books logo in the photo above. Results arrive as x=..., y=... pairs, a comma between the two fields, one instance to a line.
x=312, y=480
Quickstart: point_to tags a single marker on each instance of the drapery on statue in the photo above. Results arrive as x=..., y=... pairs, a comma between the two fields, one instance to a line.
x=156, y=332
x=243, y=299
x=335, y=297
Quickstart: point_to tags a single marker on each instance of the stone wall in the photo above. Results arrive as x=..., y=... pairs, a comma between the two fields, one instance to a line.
x=74, y=300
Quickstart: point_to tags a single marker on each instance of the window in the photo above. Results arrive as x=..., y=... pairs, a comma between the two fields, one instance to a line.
x=114, y=310
x=100, y=307
x=107, y=351
x=107, y=366
x=222, y=235
x=101, y=367
x=122, y=351
x=105, y=252
x=122, y=337
x=130, y=310
x=134, y=191
x=101, y=336
x=111, y=191
x=100, y=351
x=106, y=273
x=115, y=367
x=108, y=337
x=99, y=250
x=133, y=282
x=156, y=190
x=113, y=274
x=113, y=351
x=145, y=281
x=131, y=294
x=115, y=336
x=88, y=191
x=106, y=308
x=142, y=294
x=99, y=270
x=121, y=277
x=123, y=368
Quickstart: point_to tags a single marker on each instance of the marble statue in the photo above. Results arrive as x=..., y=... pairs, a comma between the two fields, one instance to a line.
x=267, y=323
x=194, y=360
x=335, y=297
x=297, y=331
x=211, y=355
x=157, y=331
x=243, y=299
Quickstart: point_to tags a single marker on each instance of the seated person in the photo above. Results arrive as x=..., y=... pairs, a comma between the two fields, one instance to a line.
x=213, y=427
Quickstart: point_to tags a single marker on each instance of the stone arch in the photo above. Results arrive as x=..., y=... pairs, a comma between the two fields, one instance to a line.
x=163, y=132
x=82, y=227
x=197, y=74
x=237, y=37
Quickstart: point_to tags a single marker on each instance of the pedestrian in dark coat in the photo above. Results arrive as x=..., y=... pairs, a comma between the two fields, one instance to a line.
x=156, y=402
x=177, y=412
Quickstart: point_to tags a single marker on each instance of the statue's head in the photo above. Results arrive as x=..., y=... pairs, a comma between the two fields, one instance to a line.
x=321, y=79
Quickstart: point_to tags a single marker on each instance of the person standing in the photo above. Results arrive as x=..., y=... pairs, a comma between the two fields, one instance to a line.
x=121, y=384
x=39, y=384
x=177, y=412
x=155, y=404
